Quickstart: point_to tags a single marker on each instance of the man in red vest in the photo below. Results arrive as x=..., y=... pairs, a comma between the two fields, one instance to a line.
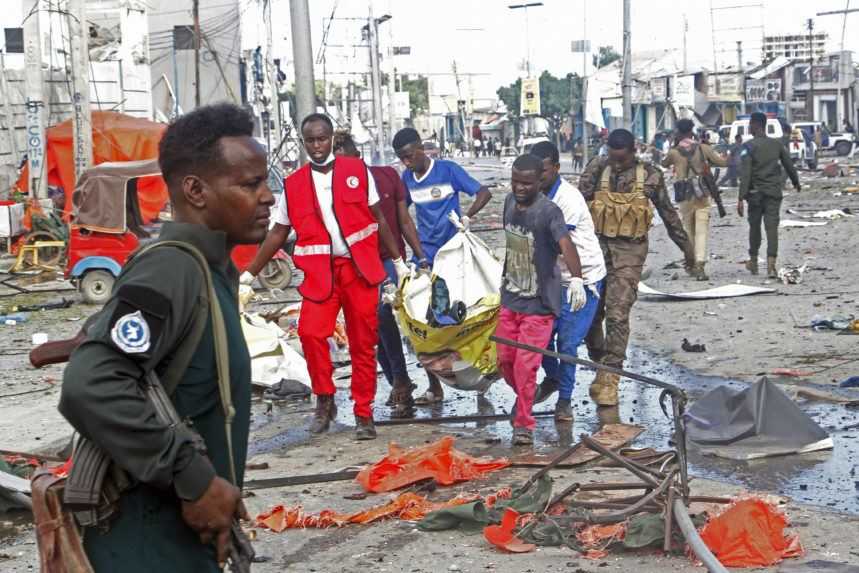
x=333, y=206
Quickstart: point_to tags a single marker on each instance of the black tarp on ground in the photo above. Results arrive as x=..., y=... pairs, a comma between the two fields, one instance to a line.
x=755, y=422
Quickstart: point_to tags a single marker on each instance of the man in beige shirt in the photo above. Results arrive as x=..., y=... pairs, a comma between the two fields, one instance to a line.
x=690, y=160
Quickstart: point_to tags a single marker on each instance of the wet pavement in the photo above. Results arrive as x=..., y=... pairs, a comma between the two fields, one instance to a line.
x=826, y=479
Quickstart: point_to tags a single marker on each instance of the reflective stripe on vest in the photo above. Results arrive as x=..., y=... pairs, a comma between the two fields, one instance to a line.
x=359, y=235
x=311, y=250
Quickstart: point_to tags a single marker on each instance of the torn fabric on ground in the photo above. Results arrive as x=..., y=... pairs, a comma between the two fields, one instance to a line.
x=755, y=422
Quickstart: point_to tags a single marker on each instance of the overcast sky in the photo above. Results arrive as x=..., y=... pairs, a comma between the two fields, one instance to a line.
x=486, y=37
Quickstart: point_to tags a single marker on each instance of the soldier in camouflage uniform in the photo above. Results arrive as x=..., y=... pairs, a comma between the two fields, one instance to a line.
x=621, y=192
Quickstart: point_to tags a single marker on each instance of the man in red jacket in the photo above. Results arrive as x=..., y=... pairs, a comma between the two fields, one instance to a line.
x=333, y=205
x=392, y=201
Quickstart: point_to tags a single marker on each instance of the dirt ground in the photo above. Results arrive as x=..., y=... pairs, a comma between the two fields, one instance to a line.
x=744, y=338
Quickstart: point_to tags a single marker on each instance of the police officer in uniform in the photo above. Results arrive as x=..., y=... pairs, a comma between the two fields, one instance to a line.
x=177, y=515
x=621, y=192
x=761, y=183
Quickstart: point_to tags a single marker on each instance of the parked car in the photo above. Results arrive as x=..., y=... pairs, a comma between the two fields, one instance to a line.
x=841, y=143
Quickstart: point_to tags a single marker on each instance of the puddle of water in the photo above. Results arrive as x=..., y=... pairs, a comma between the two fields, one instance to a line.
x=827, y=479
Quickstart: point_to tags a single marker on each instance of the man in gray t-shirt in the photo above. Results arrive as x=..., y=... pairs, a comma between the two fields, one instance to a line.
x=531, y=285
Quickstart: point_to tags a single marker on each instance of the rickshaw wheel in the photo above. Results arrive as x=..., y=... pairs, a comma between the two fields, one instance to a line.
x=276, y=274
x=95, y=286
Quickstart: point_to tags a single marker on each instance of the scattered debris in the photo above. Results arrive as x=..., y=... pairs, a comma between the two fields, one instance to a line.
x=791, y=372
x=791, y=274
x=502, y=537
x=611, y=436
x=842, y=323
x=832, y=214
x=689, y=347
x=438, y=460
x=727, y=291
x=852, y=382
x=755, y=422
x=750, y=533
x=788, y=223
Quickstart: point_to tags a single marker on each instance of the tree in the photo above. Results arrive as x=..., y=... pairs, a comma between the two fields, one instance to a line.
x=607, y=55
x=418, y=89
x=556, y=94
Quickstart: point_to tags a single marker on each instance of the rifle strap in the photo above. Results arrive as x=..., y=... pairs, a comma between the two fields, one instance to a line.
x=184, y=353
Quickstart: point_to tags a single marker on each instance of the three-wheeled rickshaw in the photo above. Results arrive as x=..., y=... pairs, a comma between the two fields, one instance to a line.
x=107, y=226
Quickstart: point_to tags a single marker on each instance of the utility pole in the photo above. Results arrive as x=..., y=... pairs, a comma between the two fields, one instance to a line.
x=584, y=95
x=810, y=102
x=376, y=83
x=685, y=31
x=275, y=94
x=392, y=86
x=742, y=77
x=196, y=53
x=842, y=68
x=305, y=96
x=35, y=101
x=82, y=124
x=10, y=117
x=527, y=32
x=627, y=66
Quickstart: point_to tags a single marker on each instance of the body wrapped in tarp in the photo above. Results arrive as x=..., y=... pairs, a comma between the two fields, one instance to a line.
x=461, y=355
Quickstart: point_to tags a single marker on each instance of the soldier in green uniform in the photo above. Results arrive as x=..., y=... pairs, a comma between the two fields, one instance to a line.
x=621, y=192
x=761, y=184
x=177, y=515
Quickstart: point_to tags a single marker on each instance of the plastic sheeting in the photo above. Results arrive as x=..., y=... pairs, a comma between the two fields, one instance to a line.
x=461, y=355
x=750, y=533
x=727, y=291
x=438, y=460
x=272, y=358
x=115, y=137
x=755, y=422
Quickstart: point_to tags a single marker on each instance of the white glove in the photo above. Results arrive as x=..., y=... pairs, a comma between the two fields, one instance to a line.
x=246, y=279
x=576, y=294
x=594, y=290
x=460, y=223
x=402, y=270
x=246, y=294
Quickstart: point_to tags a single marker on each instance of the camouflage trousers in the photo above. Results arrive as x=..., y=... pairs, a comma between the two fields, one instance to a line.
x=624, y=260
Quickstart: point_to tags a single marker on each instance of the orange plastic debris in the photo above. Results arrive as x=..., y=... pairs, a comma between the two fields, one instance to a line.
x=750, y=533
x=596, y=538
x=501, y=536
x=438, y=460
x=406, y=506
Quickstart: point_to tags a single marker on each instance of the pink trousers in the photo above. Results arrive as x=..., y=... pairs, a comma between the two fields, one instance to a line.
x=519, y=367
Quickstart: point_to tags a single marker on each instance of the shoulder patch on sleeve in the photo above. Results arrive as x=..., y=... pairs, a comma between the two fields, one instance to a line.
x=138, y=319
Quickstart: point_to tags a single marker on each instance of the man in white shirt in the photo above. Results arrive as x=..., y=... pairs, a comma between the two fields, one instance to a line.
x=333, y=205
x=572, y=326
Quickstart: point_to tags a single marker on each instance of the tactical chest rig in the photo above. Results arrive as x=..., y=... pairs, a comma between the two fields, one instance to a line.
x=621, y=215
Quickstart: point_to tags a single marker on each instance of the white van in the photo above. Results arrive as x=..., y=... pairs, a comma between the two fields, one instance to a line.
x=776, y=127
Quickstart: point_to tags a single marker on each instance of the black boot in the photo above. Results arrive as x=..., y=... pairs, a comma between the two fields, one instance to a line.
x=364, y=428
x=326, y=411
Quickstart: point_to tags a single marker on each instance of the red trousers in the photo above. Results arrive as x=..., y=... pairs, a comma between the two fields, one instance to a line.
x=519, y=367
x=316, y=323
